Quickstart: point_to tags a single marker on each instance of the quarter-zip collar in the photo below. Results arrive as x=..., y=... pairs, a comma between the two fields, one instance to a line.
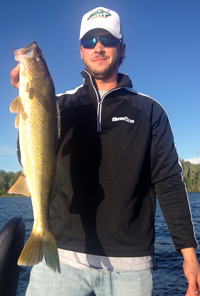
x=123, y=81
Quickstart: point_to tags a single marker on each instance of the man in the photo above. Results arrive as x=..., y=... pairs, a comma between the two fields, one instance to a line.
x=117, y=148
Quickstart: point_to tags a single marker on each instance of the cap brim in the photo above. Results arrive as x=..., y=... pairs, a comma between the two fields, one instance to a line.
x=114, y=33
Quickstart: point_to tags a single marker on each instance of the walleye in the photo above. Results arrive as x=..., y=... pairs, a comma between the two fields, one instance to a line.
x=42, y=176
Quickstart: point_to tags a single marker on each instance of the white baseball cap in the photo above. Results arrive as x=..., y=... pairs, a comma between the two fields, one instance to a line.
x=101, y=18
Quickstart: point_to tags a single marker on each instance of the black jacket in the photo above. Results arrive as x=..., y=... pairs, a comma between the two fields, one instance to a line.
x=119, y=153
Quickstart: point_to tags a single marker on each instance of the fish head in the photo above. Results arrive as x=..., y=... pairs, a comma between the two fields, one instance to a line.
x=32, y=62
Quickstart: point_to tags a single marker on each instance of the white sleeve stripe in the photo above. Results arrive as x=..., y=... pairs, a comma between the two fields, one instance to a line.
x=129, y=89
x=190, y=210
x=70, y=92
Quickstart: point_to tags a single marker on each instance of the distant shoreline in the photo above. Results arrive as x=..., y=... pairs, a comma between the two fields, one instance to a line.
x=30, y=197
x=12, y=195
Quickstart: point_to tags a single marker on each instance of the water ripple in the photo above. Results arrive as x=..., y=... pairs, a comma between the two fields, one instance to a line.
x=169, y=280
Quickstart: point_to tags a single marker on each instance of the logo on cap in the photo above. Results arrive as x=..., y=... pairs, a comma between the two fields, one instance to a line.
x=99, y=13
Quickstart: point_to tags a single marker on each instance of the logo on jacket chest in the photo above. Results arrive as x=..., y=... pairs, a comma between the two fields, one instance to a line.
x=125, y=118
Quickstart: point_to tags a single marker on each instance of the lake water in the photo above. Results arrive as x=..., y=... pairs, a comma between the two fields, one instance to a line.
x=169, y=280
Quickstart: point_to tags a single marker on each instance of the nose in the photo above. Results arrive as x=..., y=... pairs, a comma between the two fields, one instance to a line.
x=99, y=47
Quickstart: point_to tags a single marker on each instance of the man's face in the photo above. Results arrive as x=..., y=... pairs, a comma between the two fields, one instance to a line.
x=102, y=62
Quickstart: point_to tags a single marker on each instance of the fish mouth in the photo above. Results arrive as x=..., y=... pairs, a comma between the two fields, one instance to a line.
x=26, y=52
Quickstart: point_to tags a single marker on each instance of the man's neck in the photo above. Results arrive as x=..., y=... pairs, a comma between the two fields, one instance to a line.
x=107, y=83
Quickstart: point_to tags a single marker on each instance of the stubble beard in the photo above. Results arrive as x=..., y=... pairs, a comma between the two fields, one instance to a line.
x=104, y=73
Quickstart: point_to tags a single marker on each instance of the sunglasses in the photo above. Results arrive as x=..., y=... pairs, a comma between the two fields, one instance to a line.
x=105, y=41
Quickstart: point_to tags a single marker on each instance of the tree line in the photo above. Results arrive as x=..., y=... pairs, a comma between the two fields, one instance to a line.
x=7, y=180
x=191, y=176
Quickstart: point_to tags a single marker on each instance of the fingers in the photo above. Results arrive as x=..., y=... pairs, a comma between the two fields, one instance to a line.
x=15, y=76
x=192, y=293
x=192, y=272
x=193, y=288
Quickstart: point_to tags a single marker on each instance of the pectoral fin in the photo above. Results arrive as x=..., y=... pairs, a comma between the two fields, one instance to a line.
x=61, y=179
x=29, y=90
x=20, y=187
x=31, y=93
x=16, y=106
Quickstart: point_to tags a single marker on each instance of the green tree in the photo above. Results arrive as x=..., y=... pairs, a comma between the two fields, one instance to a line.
x=191, y=175
x=7, y=180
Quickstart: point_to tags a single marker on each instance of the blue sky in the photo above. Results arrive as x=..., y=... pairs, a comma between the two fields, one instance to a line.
x=162, y=58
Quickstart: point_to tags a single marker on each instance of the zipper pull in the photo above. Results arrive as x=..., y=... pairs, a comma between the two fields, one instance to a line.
x=155, y=267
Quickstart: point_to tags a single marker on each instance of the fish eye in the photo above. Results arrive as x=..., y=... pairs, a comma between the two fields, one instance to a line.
x=37, y=58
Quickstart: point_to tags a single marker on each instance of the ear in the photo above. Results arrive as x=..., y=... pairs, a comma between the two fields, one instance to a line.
x=81, y=52
x=123, y=49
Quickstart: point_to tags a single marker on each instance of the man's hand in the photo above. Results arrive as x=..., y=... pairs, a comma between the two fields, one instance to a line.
x=15, y=76
x=191, y=269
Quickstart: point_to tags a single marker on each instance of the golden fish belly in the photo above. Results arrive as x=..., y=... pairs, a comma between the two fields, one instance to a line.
x=37, y=144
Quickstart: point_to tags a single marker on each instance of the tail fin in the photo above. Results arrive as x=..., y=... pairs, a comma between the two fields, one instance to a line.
x=38, y=246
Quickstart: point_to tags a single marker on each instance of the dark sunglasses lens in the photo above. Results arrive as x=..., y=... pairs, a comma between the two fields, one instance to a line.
x=89, y=43
x=108, y=42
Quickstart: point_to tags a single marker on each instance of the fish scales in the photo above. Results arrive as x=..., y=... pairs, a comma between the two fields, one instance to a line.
x=38, y=136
